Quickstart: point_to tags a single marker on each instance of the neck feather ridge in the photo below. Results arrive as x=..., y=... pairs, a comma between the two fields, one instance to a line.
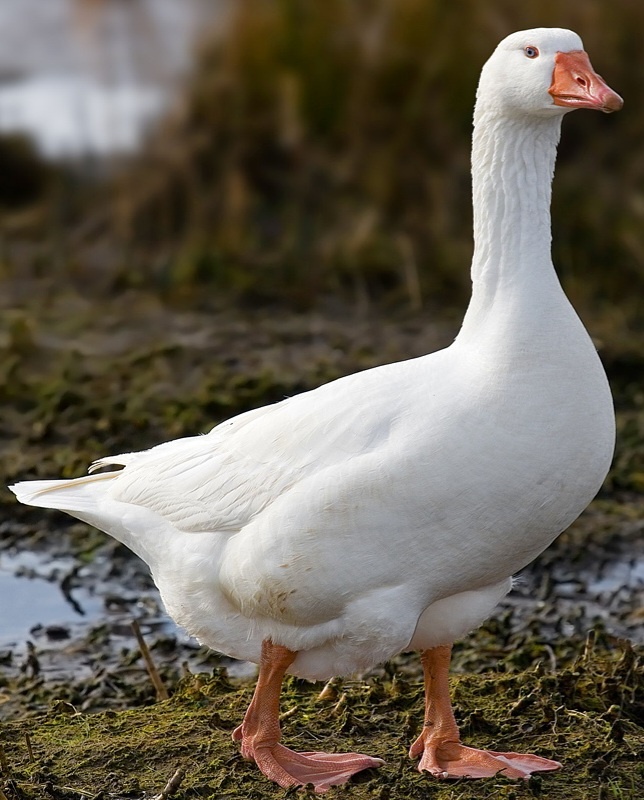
x=513, y=164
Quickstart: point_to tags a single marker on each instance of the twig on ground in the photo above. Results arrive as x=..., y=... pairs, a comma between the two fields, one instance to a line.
x=329, y=692
x=589, y=646
x=342, y=701
x=29, y=747
x=162, y=692
x=552, y=656
x=172, y=785
x=288, y=714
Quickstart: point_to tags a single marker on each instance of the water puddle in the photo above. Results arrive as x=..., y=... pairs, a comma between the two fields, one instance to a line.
x=53, y=598
x=32, y=598
x=72, y=614
x=86, y=79
x=70, y=115
x=618, y=575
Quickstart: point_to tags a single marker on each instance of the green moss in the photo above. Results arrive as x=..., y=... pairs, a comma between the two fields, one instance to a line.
x=588, y=716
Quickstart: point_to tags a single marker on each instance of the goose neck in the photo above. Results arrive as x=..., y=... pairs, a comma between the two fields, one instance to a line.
x=513, y=164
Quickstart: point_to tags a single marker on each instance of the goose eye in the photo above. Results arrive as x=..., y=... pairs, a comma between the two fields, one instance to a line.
x=530, y=51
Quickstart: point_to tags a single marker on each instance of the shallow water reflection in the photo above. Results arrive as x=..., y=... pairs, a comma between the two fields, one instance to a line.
x=32, y=598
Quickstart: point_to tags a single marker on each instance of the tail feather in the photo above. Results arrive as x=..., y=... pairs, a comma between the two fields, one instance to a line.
x=78, y=494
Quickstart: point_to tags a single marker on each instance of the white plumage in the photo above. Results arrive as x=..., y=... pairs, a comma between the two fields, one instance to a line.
x=388, y=510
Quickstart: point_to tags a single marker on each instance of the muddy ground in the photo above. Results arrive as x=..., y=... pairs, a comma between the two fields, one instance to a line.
x=78, y=713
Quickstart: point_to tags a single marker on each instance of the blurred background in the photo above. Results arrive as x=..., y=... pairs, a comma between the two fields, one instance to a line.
x=292, y=153
x=206, y=205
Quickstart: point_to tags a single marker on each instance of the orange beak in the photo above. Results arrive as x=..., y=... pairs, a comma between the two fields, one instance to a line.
x=575, y=84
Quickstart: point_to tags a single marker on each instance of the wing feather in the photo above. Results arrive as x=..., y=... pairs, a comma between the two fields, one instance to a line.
x=223, y=480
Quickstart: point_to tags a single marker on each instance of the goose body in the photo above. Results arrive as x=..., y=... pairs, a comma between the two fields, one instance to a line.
x=388, y=510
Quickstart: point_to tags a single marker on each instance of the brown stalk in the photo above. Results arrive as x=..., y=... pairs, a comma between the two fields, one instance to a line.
x=162, y=692
x=172, y=785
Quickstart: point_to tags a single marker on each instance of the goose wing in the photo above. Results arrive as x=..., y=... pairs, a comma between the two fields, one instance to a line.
x=220, y=481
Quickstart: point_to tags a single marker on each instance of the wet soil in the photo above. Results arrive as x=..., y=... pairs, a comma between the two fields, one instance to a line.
x=80, y=381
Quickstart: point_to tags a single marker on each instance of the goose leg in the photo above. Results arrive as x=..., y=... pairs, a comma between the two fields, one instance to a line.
x=439, y=745
x=260, y=733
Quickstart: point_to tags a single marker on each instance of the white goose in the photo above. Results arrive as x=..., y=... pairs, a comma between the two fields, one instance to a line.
x=386, y=511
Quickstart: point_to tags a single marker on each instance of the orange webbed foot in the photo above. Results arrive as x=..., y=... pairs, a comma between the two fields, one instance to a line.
x=288, y=768
x=259, y=735
x=454, y=760
x=439, y=746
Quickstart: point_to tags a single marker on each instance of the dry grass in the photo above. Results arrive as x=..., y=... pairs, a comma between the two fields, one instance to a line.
x=323, y=149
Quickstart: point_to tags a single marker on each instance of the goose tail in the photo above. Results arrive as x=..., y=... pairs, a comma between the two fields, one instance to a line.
x=78, y=494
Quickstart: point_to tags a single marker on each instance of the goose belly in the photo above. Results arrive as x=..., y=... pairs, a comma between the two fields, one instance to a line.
x=527, y=462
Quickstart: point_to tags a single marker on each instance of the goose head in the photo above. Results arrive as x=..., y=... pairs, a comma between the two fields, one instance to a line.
x=543, y=72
